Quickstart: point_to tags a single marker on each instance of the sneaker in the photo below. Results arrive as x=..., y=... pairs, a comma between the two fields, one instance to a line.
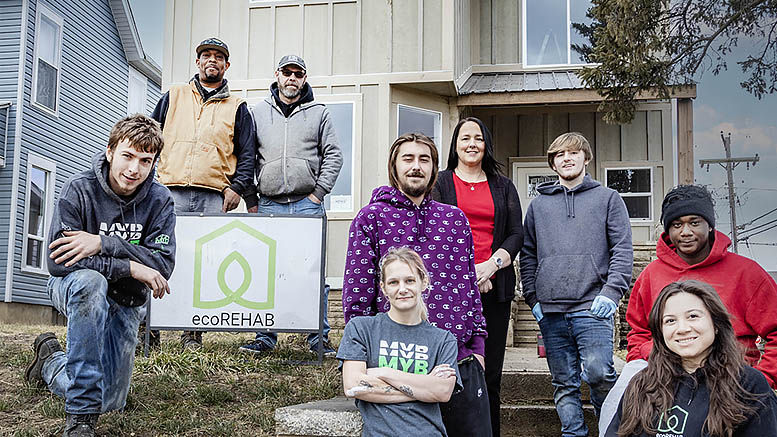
x=44, y=346
x=329, y=351
x=256, y=347
x=191, y=340
x=80, y=425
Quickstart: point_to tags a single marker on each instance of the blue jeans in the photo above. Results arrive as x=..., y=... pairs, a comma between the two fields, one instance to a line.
x=303, y=206
x=190, y=199
x=94, y=374
x=575, y=340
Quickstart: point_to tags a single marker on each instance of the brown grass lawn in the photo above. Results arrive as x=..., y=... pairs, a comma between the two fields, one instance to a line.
x=216, y=391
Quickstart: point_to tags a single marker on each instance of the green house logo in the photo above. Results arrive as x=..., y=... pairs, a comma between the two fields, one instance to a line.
x=673, y=420
x=234, y=295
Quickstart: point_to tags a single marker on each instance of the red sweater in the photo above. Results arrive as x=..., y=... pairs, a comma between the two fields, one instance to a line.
x=745, y=288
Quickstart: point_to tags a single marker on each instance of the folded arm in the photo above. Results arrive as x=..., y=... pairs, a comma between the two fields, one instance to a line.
x=386, y=385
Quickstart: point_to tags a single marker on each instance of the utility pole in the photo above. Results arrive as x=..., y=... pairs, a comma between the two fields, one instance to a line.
x=730, y=164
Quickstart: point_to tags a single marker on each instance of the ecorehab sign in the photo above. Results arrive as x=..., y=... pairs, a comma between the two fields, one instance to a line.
x=238, y=272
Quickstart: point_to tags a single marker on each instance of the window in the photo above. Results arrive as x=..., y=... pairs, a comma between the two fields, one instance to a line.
x=48, y=51
x=136, y=92
x=341, y=197
x=635, y=185
x=549, y=33
x=424, y=121
x=37, y=213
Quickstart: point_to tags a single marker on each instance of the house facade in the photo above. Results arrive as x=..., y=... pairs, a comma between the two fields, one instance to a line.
x=68, y=71
x=390, y=67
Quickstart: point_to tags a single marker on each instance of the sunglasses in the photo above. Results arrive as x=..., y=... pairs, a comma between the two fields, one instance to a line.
x=297, y=74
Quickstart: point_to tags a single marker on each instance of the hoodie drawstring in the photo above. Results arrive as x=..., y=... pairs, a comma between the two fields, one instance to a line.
x=570, y=203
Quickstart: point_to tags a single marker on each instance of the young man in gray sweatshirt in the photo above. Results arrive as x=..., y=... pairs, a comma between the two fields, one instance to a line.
x=576, y=265
x=112, y=243
x=298, y=161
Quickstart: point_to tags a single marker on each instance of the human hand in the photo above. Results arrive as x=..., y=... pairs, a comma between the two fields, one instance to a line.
x=481, y=360
x=485, y=270
x=231, y=200
x=443, y=371
x=253, y=209
x=603, y=307
x=74, y=246
x=537, y=311
x=152, y=278
x=314, y=199
x=485, y=287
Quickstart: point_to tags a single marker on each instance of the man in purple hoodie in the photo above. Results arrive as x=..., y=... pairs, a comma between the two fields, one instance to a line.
x=404, y=214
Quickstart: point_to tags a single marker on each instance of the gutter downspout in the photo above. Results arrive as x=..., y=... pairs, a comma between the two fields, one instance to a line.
x=12, y=220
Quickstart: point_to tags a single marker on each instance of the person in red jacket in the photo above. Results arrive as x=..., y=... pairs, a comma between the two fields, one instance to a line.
x=691, y=248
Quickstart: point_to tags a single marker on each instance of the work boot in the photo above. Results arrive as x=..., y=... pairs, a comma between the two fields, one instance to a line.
x=191, y=340
x=44, y=346
x=80, y=425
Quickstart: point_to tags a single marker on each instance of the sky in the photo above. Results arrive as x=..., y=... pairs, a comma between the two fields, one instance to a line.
x=150, y=21
x=723, y=105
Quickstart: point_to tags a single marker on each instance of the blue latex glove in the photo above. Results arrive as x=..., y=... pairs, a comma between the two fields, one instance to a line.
x=537, y=311
x=603, y=307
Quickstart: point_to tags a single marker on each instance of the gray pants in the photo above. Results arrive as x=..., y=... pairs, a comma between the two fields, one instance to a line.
x=613, y=399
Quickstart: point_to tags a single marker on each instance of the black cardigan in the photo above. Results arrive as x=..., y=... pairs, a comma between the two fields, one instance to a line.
x=508, y=231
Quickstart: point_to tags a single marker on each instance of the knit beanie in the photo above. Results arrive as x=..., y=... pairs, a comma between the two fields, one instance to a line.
x=685, y=200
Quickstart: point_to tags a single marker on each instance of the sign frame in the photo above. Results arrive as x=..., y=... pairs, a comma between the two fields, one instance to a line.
x=322, y=284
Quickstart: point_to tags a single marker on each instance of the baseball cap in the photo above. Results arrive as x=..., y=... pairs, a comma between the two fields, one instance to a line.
x=213, y=43
x=292, y=60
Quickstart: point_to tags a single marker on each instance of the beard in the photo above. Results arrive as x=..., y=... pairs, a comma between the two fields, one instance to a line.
x=289, y=92
x=572, y=177
x=211, y=78
x=412, y=190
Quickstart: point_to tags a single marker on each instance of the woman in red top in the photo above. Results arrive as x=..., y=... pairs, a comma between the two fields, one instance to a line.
x=473, y=181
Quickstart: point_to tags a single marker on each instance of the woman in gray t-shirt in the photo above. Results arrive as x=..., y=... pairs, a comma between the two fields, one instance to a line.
x=395, y=364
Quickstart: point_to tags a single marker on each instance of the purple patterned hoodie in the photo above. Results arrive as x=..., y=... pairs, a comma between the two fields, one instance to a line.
x=441, y=234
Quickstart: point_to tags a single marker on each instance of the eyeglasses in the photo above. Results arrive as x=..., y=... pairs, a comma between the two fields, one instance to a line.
x=297, y=74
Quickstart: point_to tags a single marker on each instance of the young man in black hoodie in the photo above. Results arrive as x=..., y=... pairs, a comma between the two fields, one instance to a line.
x=112, y=240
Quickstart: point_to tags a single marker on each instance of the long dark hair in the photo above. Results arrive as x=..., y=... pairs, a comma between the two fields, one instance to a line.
x=652, y=390
x=490, y=165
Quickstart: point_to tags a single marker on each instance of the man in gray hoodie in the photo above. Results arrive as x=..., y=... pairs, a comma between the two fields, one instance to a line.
x=298, y=161
x=112, y=242
x=576, y=265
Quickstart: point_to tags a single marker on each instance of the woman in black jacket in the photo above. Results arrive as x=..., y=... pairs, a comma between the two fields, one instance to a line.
x=473, y=181
x=697, y=382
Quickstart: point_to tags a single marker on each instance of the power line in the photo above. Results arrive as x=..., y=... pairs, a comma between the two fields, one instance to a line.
x=760, y=232
x=761, y=226
x=757, y=218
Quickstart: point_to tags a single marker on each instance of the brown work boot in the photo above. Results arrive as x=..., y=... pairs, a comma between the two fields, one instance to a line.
x=44, y=346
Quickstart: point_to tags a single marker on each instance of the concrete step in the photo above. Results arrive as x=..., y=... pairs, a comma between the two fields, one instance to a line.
x=539, y=420
x=522, y=388
x=526, y=377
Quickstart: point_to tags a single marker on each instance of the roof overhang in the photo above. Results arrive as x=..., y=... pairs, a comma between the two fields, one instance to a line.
x=130, y=40
x=546, y=87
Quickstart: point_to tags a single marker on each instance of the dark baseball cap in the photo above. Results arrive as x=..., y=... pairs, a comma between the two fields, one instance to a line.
x=215, y=44
x=292, y=60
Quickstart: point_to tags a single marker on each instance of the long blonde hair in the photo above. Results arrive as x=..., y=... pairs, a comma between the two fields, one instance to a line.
x=414, y=261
